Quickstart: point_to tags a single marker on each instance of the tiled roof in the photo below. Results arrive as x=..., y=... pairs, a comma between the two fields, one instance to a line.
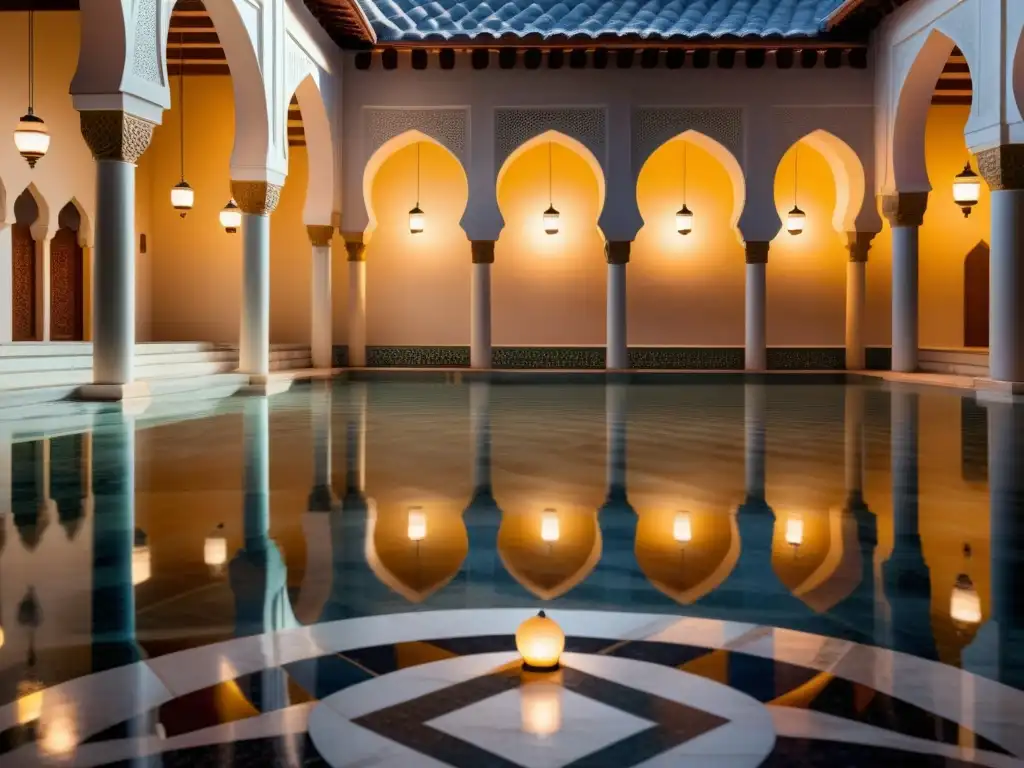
x=406, y=20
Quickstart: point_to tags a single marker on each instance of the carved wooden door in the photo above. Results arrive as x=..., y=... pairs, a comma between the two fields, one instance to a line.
x=24, y=283
x=976, y=297
x=65, y=286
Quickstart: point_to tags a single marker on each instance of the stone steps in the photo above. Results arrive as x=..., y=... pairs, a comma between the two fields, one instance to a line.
x=959, y=362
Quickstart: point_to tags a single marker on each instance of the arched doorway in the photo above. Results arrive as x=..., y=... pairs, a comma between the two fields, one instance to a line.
x=976, y=296
x=24, y=285
x=66, y=278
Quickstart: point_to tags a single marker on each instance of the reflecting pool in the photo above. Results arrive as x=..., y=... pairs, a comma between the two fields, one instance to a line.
x=785, y=571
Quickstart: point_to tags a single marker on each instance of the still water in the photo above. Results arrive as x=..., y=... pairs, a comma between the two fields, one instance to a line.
x=888, y=517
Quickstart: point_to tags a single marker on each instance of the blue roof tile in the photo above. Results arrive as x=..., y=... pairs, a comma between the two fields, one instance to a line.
x=394, y=20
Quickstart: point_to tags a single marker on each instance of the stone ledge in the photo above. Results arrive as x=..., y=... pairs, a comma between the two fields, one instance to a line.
x=112, y=393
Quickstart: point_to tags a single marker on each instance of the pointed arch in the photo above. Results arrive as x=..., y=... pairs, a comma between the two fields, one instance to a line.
x=31, y=201
x=319, y=152
x=848, y=174
x=84, y=224
x=573, y=145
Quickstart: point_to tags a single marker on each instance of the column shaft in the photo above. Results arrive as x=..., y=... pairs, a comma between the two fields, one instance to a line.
x=480, y=355
x=1006, y=316
x=356, y=299
x=254, y=339
x=618, y=350
x=856, y=291
x=904, y=298
x=321, y=330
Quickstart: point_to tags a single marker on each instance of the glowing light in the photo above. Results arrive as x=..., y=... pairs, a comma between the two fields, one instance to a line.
x=795, y=221
x=60, y=736
x=684, y=221
x=966, y=189
x=540, y=641
x=417, y=527
x=795, y=531
x=31, y=138
x=30, y=702
x=549, y=527
x=682, y=528
x=417, y=220
x=142, y=564
x=541, y=708
x=183, y=197
x=215, y=548
x=231, y=217
x=965, y=603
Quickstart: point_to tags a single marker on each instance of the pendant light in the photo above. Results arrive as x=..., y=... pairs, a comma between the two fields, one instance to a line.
x=417, y=218
x=551, y=214
x=684, y=216
x=796, y=218
x=231, y=217
x=966, y=189
x=964, y=602
x=183, y=197
x=31, y=137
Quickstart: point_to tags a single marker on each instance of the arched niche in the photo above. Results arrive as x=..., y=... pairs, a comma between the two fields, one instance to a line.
x=316, y=127
x=31, y=215
x=67, y=276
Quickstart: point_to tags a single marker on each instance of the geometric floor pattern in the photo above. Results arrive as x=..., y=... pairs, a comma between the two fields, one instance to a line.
x=423, y=689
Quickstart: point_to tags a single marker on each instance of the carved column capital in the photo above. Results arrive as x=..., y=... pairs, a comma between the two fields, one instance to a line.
x=905, y=209
x=617, y=251
x=355, y=246
x=258, y=198
x=757, y=251
x=1002, y=167
x=115, y=135
x=320, y=235
x=483, y=251
x=858, y=244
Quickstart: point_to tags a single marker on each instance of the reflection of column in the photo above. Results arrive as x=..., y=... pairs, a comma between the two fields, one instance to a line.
x=321, y=497
x=857, y=244
x=756, y=344
x=256, y=473
x=480, y=427
x=480, y=312
x=355, y=440
x=755, y=416
x=617, y=352
x=117, y=141
x=1001, y=168
x=257, y=200
x=1006, y=499
x=853, y=441
x=322, y=319
x=356, y=299
x=482, y=517
x=615, y=440
x=905, y=211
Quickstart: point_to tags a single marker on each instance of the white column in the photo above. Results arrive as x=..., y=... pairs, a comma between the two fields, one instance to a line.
x=480, y=329
x=617, y=348
x=257, y=200
x=6, y=285
x=905, y=211
x=1006, y=303
x=356, y=300
x=322, y=319
x=858, y=244
x=756, y=316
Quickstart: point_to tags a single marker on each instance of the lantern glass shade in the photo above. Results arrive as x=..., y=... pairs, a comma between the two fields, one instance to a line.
x=2, y=637
x=417, y=220
x=540, y=641
x=142, y=564
x=684, y=221
x=183, y=197
x=215, y=551
x=682, y=528
x=551, y=221
x=965, y=603
x=966, y=189
x=31, y=138
x=417, y=526
x=549, y=527
x=795, y=221
x=541, y=708
x=795, y=531
x=231, y=217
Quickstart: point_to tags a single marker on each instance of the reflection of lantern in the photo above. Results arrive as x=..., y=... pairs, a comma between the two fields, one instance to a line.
x=540, y=641
x=549, y=529
x=142, y=563
x=30, y=701
x=966, y=189
x=231, y=217
x=60, y=736
x=541, y=708
x=965, y=603
x=215, y=548
x=417, y=527
x=682, y=529
x=795, y=531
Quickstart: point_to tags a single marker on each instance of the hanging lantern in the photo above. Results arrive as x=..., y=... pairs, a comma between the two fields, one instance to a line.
x=795, y=531
x=215, y=549
x=551, y=214
x=231, y=217
x=549, y=528
x=31, y=137
x=795, y=221
x=183, y=197
x=965, y=603
x=540, y=641
x=417, y=524
x=682, y=528
x=684, y=220
x=417, y=218
x=966, y=189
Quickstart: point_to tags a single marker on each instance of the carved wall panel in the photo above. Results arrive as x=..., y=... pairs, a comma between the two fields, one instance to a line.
x=65, y=287
x=24, y=283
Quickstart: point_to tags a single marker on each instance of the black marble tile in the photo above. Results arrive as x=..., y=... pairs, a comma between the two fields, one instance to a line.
x=809, y=753
x=326, y=675
x=254, y=753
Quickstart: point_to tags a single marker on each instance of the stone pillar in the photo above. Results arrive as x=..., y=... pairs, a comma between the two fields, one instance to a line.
x=117, y=140
x=756, y=344
x=356, y=299
x=257, y=200
x=1003, y=169
x=322, y=319
x=480, y=314
x=858, y=244
x=617, y=348
x=905, y=212
x=321, y=496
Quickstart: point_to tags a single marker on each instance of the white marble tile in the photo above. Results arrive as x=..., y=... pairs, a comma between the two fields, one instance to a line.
x=731, y=746
x=706, y=633
x=345, y=745
x=799, y=648
x=497, y=726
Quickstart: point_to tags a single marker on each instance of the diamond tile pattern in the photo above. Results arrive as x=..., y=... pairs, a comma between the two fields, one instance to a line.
x=394, y=20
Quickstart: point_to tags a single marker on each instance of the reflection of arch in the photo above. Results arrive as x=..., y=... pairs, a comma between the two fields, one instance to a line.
x=381, y=155
x=67, y=310
x=914, y=100
x=726, y=159
x=565, y=141
x=839, y=572
x=976, y=287
x=320, y=152
x=848, y=174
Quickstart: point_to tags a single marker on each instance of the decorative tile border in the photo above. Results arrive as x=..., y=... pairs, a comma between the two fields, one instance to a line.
x=806, y=359
x=686, y=358
x=417, y=357
x=569, y=358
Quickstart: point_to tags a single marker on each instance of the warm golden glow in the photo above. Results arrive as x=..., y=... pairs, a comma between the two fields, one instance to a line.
x=966, y=189
x=31, y=138
x=795, y=531
x=795, y=221
x=417, y=524
x=684, y=221
x=541, y=708
x=682, y=528
x=965, y=603
x=183, y=197
x=60, y=736
x=231, y=217
x=549, y=527
x=142, y=564
x=417, y=221
x=215, y=550
x=30, y=702
x=551, y=221
x=540, y=641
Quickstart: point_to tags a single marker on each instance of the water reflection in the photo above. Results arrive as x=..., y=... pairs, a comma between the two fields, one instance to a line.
x=845, y=511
